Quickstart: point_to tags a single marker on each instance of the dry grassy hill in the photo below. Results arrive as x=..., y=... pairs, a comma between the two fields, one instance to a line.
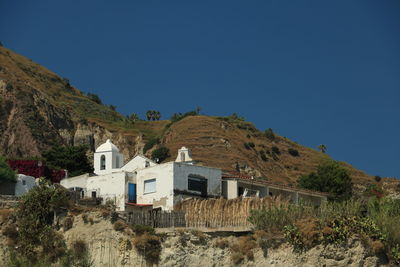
x=39, y=109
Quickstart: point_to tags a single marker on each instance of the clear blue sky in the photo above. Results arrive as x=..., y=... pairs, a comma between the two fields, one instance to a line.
x=318, y=72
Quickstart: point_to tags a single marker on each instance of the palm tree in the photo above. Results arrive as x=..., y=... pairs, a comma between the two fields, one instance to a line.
x=322, y=148
x=149, y=115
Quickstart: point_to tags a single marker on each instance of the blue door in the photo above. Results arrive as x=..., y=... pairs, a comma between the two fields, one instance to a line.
x=132, y=193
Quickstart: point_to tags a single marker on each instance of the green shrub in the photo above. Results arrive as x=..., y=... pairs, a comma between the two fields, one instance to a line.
x=275, y=150
x=293, y=152
x=331, y=178
x=36, y=208
x=140, y=229
x=377, y=178
x=293, y=236
x=276, y=217
x=72, y=158
x=6, y=173
x=263, y=156
x=269, y=133
x=95, y=98
x=149, y=144
x=160, y=154
x=246, y=145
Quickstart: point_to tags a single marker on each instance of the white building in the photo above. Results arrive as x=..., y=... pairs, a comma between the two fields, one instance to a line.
x=142, y=182
x=22, y=186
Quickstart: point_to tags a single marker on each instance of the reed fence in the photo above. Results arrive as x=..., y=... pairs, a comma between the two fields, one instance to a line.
x=203, y=213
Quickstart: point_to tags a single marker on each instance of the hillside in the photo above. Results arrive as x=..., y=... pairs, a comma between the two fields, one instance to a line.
x=40, y=109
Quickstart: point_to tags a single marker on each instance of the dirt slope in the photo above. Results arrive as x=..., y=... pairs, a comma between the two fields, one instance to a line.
x=39, y=109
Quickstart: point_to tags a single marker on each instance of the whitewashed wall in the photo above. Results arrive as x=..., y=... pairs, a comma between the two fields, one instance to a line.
x=110, y=187
x=137, y=163
x=24, y=184
x=77, y=181
x=163, y=197
x=213, y=176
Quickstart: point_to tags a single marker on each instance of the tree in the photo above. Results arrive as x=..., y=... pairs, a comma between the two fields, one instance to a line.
x=112, y=107
x=153, y=115
x=134, y=117
x=330, y=177
x=72, y=158
x=269, y=133
x=95, y=98
x=6, y=173
x=322, y=148
x=160, y=154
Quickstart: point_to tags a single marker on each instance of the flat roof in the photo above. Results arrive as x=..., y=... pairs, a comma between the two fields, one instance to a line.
x=250, y=179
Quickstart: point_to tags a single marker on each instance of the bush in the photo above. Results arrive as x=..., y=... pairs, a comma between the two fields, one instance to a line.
x=160, y=154
x=293, y=152
x=276, y=217
x=85, y=218
x=37, y=208
x=221, y=243
x=149, y=246
x=331, y=178
x=249, y=145
x=105, y=214
x=377, y=178
x=10, y=231
x=119, y=226
x=269, y=133
x=263, y=156
x=114, y=216
x=68, y=222
x=243, y=248
x=95, y=98
x=79, y=248
x=140, y=229
x=293, y=236
x=149, y=144
x=275, y=150
x=6, y=173
x=72, y=158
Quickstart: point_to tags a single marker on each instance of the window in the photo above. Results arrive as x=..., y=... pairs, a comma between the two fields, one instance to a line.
x=183, y=156
x=23, y=182
x=150, y=186
x=116, y=162
x=197, y=184
x=147, y=164
x=102, y=162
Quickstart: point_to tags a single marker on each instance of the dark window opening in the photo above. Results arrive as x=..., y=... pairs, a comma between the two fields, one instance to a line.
x=197, y=184
x=241, y=191
x=94, y=194
x=102, y=162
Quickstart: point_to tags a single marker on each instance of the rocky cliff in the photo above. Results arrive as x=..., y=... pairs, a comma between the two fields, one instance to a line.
x=108, y=247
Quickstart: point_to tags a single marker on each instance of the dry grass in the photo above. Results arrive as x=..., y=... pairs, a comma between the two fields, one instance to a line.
x=221, y=243
x=242, y=248
x=79, y=248
x=5, y=214
x=68, y=223
x=149, y=246
x=309, y=231
x=120, y=226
